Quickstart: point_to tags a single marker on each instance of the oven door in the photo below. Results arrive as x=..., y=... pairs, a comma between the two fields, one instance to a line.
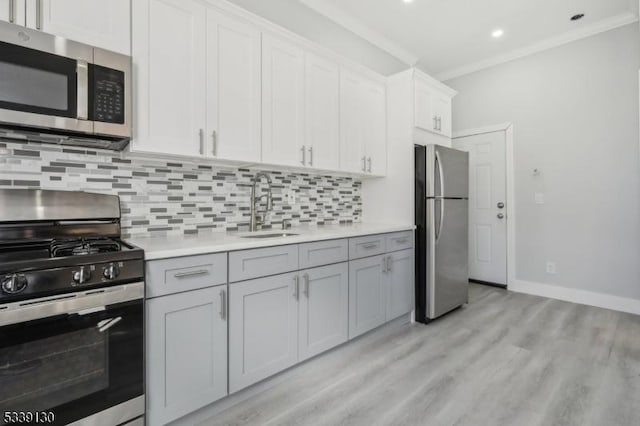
x=73, y=357
x=44, y=81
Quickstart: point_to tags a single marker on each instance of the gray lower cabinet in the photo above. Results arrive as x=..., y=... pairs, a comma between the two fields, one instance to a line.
x=368, y=294
x=263, y=328
x=400, y=273
x=186, y=352
x=323, y=310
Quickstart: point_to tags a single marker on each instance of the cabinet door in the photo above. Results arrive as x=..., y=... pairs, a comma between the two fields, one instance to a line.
x=106, y=24
x=352, y=156
x=13, y=11
x=424, y=115
x=367, y=295
x=186, y=352
x=169, y=76
x=282, y=103
x=442, y=110
x=374, y=106
x=233, y=88
x=401, y=283
x=263, y=328
x=324, y=307
x=322, y=112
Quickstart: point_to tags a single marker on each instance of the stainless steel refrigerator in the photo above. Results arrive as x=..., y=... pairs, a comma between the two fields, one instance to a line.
x=442, y=212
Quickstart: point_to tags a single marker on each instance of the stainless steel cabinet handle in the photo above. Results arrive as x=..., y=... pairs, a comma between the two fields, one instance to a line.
x=370, y=246
x=306, y=285
x=38, y=14
x=440, y=123
x=389, y=263
x=311, y=156
x=369, y=169
x=304, y=155
x=12, y=11
x=501, y=205
x=364, y=164
x=384, y=264
x=296, y=287
x=500, y=216
x=223, y=304
x=214, y=139
x=435, y=122
x=201, y=133
x=191, y=273
x=402, y=240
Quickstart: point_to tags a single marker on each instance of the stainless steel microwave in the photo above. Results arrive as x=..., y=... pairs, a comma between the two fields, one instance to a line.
x=60, y=91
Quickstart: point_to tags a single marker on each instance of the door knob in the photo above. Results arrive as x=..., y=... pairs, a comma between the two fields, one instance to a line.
x=500, y=216
x=501, y=205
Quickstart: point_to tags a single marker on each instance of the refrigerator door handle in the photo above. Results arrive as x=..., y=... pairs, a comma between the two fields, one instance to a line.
x=439, y=227
x=440, y=174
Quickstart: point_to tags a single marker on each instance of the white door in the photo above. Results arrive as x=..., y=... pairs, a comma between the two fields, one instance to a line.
x=374, y=107
x=106, y=24
x=442, y=111
x=322, y=112
x=263, y=328
x=324, y=306
x=13, y=11
x=282, y=103
x=169, y=76
x=233, y=88
x=352, y=156
x=487, y=206
x=186, y=352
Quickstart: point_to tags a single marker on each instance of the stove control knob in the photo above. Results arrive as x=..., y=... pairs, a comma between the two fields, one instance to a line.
x=111, y=272
x=82, y=276
x=13, y=284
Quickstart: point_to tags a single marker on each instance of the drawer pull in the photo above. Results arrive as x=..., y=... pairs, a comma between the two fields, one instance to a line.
x=192, y=273
x=370, y=246
x=402, y=240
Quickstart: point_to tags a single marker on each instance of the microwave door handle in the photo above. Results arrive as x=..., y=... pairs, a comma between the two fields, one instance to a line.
x=82, y=71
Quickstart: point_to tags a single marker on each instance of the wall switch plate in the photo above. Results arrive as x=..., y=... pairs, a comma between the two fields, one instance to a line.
x=551, y=268
x=539, y=198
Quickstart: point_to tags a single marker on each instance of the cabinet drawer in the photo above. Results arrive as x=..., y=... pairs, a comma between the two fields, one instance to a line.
x=248, y=264
x=370, y=245
x=185, y=273
x=399, y=241
x=323, y=253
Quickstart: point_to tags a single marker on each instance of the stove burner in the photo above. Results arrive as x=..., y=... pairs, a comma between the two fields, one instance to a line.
x=83, y=247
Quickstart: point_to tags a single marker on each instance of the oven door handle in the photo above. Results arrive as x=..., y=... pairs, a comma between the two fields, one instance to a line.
x=74, y=303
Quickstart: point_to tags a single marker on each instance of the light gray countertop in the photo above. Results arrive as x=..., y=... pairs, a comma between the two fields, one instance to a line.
x=163, y=247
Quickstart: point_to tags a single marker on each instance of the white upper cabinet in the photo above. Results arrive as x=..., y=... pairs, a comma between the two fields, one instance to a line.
x=233, y=89
x=432, y=105
x=13, y=11
x=105, y=24
x=363, y=139
x=322, y=113
x=282, y=103
x=169, y=76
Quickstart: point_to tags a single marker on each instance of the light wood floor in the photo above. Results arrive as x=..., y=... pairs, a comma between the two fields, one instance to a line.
x=504, y=359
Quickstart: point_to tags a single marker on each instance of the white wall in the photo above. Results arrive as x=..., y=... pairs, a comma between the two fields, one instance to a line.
x=575, y=115
x=304, y=21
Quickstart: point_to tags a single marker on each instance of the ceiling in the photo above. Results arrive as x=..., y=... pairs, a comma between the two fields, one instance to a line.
x=447, y=38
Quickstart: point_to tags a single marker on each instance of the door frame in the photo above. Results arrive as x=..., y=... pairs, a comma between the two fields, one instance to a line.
x=507, y=128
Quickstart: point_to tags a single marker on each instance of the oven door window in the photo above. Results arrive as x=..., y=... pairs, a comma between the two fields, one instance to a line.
x=37, y=82
x=72, y=365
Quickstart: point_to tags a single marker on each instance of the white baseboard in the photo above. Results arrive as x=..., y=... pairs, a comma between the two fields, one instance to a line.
x=584, y=297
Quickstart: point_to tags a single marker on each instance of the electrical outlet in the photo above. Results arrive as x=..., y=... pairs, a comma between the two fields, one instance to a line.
x=539, y=198
x=551, y=268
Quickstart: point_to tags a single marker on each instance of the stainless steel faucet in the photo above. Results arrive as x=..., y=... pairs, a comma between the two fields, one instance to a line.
x=254, y=201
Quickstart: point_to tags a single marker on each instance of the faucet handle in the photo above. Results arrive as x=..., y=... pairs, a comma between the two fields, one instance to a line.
x=286, y=223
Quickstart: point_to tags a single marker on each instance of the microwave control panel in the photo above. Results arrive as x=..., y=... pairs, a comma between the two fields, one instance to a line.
x=106, y=95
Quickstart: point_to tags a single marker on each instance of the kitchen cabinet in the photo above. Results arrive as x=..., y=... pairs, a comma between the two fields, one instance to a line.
x=322, y=113
x=283, y=66
x=168, y=276
x=324, y=306
x=363, y=136
x=233, y=88
x=399, y=269
x=263, y=328
x=368, y=294
x=105, y=24
x=169, y=76
x=186, y=352
x=432, y=105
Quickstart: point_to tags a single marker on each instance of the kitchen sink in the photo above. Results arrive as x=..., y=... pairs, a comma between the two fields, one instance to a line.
x=269, y=235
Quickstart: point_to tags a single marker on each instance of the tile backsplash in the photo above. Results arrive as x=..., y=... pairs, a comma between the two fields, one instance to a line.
x=161, y=196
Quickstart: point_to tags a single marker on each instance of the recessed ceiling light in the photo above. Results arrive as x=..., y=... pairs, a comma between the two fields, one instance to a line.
x=497, y=33
x=577, y=17
x=408, y=1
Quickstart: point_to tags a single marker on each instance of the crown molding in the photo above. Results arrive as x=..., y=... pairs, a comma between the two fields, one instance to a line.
x=360, y=29
x=568, y=37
